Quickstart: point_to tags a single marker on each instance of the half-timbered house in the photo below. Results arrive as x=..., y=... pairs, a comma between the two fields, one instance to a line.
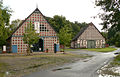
x=88, y=37
x=48, y=37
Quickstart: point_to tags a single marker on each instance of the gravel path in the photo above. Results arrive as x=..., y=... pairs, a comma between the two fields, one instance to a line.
x=82, y=68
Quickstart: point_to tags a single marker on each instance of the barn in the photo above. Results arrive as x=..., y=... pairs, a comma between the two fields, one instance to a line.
x=88, y=37
x=48, y=37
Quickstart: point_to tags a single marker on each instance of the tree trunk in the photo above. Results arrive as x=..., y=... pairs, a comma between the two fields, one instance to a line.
x=28, y=50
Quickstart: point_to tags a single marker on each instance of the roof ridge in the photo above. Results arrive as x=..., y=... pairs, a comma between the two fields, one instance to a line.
x=26, y=19
x=80, y=32
x=83, y=29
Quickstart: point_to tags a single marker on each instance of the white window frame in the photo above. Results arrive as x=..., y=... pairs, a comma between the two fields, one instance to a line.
x=37, y=27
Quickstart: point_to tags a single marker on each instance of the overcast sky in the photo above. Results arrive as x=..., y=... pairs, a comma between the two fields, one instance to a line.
x=73, y=10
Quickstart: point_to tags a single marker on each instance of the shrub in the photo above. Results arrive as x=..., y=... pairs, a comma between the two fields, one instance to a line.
x=117, y=44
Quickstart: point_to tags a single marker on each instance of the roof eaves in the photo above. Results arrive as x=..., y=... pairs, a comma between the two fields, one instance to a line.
x=21, y=24
x=97, y=29
x=81, y=31
x=25, y=20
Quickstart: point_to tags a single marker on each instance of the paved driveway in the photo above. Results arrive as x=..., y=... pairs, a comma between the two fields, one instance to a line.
x=82, y=68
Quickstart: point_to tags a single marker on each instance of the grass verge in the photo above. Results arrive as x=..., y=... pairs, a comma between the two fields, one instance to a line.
x=70, y=49
x=17, y=66
x=3, y=69
x=108, y=49
x=116, y=61
x=112, y=68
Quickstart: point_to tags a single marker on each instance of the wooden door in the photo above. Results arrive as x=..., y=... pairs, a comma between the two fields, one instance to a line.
x=91, y=44
x=14, y=48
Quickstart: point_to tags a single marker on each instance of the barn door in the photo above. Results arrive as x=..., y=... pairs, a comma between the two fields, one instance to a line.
x=38, y=46
x=91, y=44
x=56, y=48
x=14, y=48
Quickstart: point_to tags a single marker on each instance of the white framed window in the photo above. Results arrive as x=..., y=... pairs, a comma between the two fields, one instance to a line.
x=103, y=41
x=84, y=42
x=37, y=27
x=81, y=43
x=98, y=42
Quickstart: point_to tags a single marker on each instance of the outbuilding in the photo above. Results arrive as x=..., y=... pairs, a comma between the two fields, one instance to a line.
x=88, y=37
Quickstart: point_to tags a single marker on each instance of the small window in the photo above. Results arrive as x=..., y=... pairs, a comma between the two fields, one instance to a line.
x=43, y=28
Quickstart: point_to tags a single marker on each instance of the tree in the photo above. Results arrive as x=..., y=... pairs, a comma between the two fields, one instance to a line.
x=76, y=26
x=14, y=24
x=111, y=13
x=65, y=36
x=5, y=14
x=30, y=37
x=59, y=22
x=110, y=17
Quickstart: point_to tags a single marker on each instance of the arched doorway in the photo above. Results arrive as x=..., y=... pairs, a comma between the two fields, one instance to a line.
x=38, y=46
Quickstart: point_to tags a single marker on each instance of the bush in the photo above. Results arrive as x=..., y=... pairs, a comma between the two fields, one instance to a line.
x=117, y=44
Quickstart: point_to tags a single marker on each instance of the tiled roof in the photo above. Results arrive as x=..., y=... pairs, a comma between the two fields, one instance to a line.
x=36, y=10
x=83, y=29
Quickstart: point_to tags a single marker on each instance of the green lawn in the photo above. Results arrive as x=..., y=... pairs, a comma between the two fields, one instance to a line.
x=70, y=49
x=116, y=61
x=108, y=49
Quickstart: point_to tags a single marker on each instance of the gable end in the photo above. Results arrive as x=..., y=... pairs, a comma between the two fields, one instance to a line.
x=35, y=11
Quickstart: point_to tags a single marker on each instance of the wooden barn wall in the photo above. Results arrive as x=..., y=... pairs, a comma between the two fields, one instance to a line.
x=91, y=33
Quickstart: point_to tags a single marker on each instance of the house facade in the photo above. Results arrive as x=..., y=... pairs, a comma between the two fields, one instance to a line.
x=88, y=37
x=48, y=37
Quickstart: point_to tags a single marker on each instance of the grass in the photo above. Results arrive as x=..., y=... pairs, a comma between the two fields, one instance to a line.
x=71, y=49
x=115, y=63
x=109, y=72
x=108, y=49
x=3, y=68
x=20, y=65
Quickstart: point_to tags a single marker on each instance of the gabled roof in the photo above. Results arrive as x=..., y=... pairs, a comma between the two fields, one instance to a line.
x=83, y=29
x=26, y=19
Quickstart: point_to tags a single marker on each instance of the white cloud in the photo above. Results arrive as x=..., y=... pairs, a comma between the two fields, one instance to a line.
x=73, y=10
